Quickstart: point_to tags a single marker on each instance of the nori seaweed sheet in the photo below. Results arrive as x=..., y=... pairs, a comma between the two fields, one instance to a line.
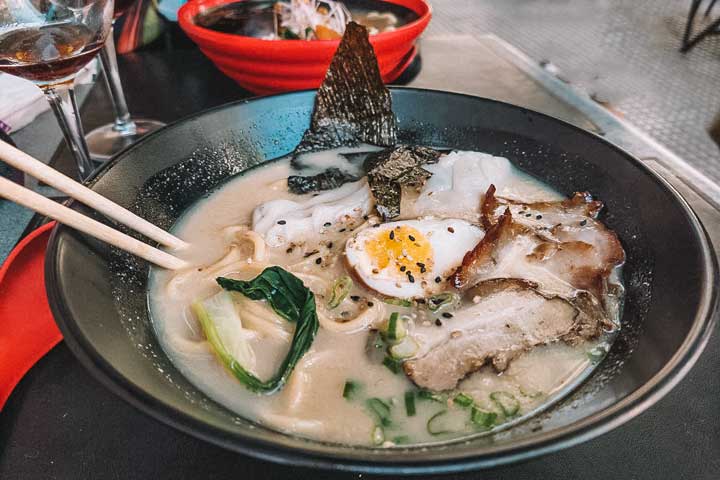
x=327, y=180
x=391, y=169
x=352, y=105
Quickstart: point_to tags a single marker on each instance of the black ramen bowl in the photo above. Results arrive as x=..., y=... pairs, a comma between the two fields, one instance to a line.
x=98, y=294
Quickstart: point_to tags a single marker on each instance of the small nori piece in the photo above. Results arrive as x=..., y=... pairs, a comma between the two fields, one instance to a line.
x=352, y=105
x=391, y=169
x=327, y=180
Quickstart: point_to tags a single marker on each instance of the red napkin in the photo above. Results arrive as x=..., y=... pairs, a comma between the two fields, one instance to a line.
x=27, y=327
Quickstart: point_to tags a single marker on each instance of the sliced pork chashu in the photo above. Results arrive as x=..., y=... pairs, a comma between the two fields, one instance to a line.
x=511, y=316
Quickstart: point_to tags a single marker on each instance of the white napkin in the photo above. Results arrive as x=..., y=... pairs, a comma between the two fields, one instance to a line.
x=21, y=100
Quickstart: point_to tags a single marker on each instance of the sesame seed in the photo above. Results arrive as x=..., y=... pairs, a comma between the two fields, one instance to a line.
x=411, y=278
x=376, y=225
x=289, y=250
x=355, y=298
x=438, y=322
x=583, y=223
x=281, y=222
x=370, y=304
x=392, y=234
x=327, y=224
x=538, y=217
x=403, y=268
x=342, y=230
x=447, y=315
x=438, y=279
x=451, y=230
x=365, y=217
x=375, y=271
x=420, y=264
x=412, y=239
x=528, y=215
x=421, y=301
x=318, y=261
x=330, y=245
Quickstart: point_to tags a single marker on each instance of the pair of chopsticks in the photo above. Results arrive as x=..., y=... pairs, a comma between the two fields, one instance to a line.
x=34, y=201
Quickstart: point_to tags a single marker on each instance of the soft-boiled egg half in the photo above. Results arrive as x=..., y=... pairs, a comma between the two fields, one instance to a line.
x=410, y=258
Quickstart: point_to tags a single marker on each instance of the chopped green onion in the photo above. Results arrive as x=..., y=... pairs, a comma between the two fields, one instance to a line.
x=482, y=418
x=401, y=440
x=428, y=395
x=339, y=291
x=351, y=390
x=410, y=403
x=596, y=354
x=393, y=364
x=535, y=394
x=380, y=409
x=400, y=302
x=405, y=349
x=378, y=435
x=395, y=328
x=463, y=399
x=507, y=403
x=433, y=428
x=443, y=301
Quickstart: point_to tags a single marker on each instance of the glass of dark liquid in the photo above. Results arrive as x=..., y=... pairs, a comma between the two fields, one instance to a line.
x=48, y=42
x=107, y=140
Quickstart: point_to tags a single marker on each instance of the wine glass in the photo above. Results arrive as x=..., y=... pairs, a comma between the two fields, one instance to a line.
x=105, y=141
x=48, y=42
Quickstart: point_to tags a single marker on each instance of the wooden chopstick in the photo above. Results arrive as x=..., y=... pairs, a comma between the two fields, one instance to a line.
x=34, y=201
x=25, y=163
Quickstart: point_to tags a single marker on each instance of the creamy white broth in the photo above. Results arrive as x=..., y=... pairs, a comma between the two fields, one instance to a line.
x=311, y=404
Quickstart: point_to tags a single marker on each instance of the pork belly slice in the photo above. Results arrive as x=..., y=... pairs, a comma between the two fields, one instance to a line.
x=510, y=317
x=559, y=245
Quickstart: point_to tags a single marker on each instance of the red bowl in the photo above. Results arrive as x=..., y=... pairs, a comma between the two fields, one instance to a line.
x=274, y=66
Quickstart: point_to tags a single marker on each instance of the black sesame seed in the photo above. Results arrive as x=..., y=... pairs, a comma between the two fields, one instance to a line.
x=451, y=230
x=355, y=298
x=411, y=278
x=281, y=222
x=342, y=230
x=528, y=215
x=438, y=322
x=318, y=261
x=344, y=313
x=376, y=225
x=412, y=239
x=447, y=315
x=583, y=223
x=392, y=234
x=327, y=224
x=538, y=217
x=403, y=268
x=365, y=217
x=421, y=301
x=420, y=264
x=289, y=250
x=438, y=279
x=370, y=304
x=330, y=244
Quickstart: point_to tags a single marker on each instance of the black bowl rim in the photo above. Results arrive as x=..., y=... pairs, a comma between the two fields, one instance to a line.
x=448, y=462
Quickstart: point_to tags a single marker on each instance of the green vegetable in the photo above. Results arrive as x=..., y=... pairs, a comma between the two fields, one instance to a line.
x=410, y=403
x=482, y=418
x=463, y=399
x=405, y=349
x=393, y=364
x=428, y=395
x=596, y=354
x=288, y=34
x=401, y=440
x=380, y=409
x=378, y=435
x=443, y=302
x=290, y=299
x=339, y=291
x=506, y=402
x=219, y=316
x=434, y=426
x=351, y=390
x=535, y=394
x=395, y=328
x=400, y=302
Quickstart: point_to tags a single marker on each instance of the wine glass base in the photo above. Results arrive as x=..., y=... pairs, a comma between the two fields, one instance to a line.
x=106, y=141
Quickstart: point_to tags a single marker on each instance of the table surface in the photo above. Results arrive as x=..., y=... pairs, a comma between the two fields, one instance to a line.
x=61, y=423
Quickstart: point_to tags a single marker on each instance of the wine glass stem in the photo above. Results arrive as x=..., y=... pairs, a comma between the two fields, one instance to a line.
x=62, y=101
x=108, y=57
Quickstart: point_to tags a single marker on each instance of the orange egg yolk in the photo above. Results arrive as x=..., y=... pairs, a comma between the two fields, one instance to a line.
x=402, y=248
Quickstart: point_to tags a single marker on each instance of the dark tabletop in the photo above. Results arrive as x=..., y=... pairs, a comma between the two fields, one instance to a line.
x=60, y=423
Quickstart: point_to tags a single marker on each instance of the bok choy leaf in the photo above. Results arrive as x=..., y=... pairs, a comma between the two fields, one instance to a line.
x=289, y=298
